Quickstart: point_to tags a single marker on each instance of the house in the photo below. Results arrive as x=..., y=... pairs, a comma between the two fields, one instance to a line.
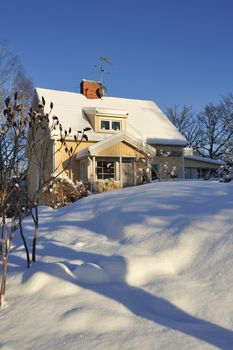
x=125, y=134
x=129, y=140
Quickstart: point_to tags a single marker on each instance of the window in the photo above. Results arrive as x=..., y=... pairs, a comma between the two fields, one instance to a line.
x=105, y=125
x=83, y=170
x=110, y=125
x=105, y=170
x=192, y=173
x=116, y=126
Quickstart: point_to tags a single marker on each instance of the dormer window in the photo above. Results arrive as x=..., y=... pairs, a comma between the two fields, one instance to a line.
x=107, y=120
x=110, y=125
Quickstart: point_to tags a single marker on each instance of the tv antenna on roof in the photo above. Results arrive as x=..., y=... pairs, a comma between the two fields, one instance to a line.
x=103, y=60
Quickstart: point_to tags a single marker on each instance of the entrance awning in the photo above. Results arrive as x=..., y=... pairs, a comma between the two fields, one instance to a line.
x=100, y=146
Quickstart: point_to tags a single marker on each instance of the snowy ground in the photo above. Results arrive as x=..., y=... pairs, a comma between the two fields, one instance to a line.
x=148, y=267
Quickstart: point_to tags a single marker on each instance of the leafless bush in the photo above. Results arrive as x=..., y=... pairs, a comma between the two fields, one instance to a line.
x=62, y=191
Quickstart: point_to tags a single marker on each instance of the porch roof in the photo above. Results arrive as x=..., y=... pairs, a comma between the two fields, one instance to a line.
x=100, y=146
x=204, y=160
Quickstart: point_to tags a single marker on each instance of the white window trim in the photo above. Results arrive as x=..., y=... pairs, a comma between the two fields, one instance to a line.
x=114, y=167
x=110, y=125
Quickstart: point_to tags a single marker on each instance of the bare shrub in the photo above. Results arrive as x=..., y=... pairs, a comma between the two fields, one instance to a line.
x=62, y=191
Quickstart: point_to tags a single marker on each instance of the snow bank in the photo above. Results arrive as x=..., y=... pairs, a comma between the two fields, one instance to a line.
x=145, y=267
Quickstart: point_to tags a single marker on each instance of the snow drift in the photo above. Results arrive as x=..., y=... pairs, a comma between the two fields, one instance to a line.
x=145, y=267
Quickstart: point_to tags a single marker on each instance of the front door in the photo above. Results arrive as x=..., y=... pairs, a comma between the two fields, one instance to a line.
x=127, y=174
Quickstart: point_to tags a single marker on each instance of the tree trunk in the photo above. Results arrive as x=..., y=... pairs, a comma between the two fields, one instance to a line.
x=4, y=275
x=36, y=233
x=34, y=242
x=24, y=243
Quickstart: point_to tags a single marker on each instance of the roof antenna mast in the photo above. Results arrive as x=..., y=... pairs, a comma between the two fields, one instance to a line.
x=103, y=60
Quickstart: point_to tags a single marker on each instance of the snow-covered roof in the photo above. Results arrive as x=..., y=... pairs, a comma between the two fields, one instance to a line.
x=106, y=111
x=94, y=150
x=206, y=160
x=144, y=119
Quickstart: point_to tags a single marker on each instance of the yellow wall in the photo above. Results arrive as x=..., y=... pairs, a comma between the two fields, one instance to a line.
x=40, y=157
x=120, y=150
x=175, y=158
x=171, y=162
x=62, y=158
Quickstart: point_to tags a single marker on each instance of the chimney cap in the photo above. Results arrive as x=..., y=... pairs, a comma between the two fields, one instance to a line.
x=91, y=81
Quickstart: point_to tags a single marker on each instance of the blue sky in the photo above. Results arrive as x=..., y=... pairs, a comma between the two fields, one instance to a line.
x=170, y=51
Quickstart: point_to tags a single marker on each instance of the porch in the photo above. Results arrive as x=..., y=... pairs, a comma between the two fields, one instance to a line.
x=120, y=161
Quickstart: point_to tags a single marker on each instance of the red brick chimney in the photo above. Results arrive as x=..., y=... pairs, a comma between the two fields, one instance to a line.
x=90, y=88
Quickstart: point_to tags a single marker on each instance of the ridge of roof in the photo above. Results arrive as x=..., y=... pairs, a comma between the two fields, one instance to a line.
x=85, y=98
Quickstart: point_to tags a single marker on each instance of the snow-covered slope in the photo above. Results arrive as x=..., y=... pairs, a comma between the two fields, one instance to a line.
x=148, y=267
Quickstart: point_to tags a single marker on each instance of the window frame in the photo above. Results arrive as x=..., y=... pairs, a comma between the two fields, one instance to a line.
x=105, y=121
x=110, y=121
x=105, y=172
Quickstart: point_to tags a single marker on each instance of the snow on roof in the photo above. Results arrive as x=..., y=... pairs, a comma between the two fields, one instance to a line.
x=110, y=141
x=206, y=160
x=145, y=120
x=106, y=111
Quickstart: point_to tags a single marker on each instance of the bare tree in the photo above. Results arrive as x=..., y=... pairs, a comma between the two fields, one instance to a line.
x=186, y=122
x=227, y=103
x=12, y=137
x=20, y=133
x=209, y=133
x=12, y=155
x=13, y=78
x=40, y=155
x=216, y=133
